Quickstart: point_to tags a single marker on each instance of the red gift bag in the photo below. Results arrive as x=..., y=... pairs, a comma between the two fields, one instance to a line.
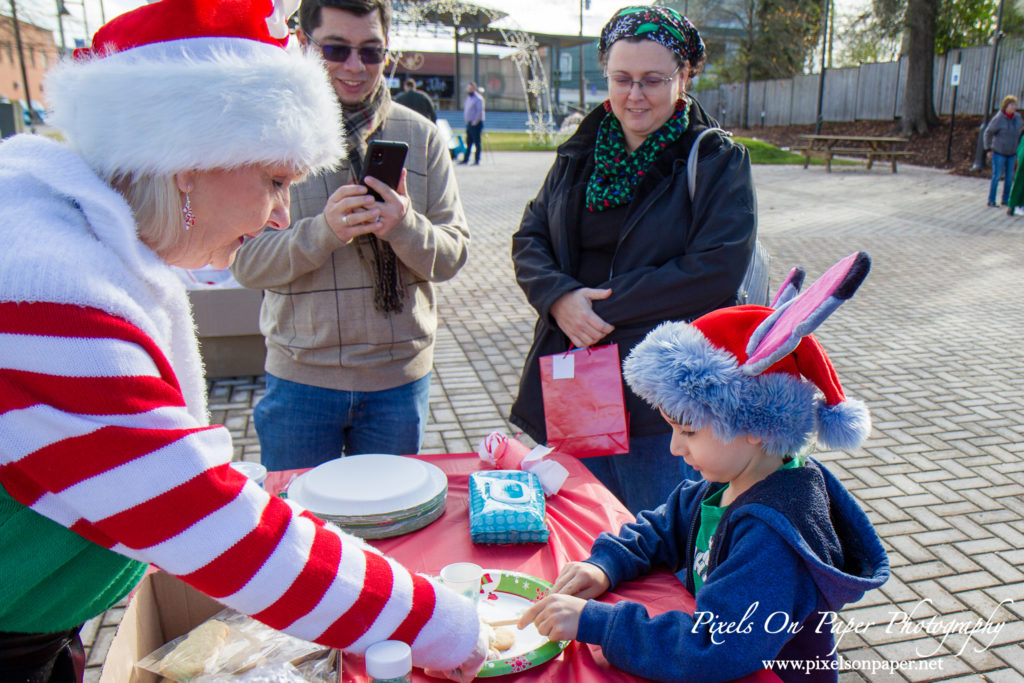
x=584, y=408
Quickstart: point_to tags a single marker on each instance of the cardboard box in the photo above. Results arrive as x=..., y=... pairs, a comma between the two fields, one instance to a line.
x=162, y=609
x=228, y=327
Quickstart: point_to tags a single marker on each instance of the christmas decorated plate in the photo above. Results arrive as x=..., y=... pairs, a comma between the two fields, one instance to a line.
x=505, y=595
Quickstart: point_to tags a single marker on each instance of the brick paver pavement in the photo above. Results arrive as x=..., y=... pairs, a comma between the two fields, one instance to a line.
x=930, y=343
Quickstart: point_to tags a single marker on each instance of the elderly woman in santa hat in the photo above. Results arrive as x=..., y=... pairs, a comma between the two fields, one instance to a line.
x=185, y=124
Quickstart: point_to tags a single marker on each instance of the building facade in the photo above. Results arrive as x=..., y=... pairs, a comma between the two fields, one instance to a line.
x=40, y=53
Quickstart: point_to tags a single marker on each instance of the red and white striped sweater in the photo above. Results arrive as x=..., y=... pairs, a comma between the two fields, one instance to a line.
x=102, y=445
x=97, y=435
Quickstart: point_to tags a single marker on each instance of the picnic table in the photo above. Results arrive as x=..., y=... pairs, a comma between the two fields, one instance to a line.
x=870, y=147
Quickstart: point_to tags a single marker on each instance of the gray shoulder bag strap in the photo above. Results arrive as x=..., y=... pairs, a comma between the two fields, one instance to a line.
x=754, y=287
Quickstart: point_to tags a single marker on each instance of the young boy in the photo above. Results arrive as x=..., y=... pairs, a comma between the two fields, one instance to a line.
x=771, y=543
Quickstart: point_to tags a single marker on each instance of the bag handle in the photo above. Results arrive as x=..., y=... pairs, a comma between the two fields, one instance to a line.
x=754, y=287
x=691, y=160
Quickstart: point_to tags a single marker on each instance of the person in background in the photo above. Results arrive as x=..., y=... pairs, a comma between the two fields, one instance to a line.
x=1016, y=199
x=1000, y=140
x=350, y=301
x=416, y=100
x=185, y=126
x=613, y=245
x=473, y=112
x=772, y=544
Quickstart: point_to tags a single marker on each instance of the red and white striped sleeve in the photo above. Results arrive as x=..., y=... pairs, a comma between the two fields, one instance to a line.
x=94, y=434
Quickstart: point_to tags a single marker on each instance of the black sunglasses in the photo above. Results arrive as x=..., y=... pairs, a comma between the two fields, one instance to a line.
x=370, y=54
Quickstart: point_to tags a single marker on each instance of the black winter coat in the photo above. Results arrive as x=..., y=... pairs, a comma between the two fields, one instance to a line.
x=674, y=260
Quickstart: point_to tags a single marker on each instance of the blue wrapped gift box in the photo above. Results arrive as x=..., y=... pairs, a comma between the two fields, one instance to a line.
x=506, y=506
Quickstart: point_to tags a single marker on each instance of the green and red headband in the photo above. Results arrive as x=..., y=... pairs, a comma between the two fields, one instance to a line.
x=663, y=25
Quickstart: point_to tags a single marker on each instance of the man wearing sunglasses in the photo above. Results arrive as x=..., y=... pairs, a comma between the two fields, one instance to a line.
x=350, y=309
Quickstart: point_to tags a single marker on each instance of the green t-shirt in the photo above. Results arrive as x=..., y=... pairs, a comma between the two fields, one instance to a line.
x=54, y=579
x=711, y=511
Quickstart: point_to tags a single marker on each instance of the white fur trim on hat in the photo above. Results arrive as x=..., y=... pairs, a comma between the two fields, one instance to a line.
x=200, y=103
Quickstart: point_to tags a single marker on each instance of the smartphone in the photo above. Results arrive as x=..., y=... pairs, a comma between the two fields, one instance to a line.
x=384, y=161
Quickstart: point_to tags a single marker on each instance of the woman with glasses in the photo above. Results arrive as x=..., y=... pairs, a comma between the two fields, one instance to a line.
x=613, y=245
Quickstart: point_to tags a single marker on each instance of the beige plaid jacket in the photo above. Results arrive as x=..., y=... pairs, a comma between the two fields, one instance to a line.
x=318, y=315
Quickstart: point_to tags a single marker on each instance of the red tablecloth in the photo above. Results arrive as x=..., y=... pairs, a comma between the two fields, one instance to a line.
x=575, y=516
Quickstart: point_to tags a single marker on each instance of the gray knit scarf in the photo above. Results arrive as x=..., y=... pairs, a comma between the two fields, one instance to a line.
x=360, y=125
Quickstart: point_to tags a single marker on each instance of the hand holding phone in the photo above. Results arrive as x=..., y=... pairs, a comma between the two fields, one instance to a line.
x=384, y=161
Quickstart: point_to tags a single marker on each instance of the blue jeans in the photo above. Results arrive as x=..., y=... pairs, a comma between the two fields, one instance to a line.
x=1002, y=167
x=643, y=478
x=302, y=426
x=474, y=133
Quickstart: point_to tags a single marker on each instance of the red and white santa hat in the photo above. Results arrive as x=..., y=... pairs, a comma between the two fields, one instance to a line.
x=754, y=370
x=196, y=84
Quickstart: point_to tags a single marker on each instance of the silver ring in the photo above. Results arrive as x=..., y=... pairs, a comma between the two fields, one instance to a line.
x=344, y=219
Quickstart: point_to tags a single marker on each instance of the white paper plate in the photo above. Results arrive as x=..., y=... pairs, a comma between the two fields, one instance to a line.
x=369, y=484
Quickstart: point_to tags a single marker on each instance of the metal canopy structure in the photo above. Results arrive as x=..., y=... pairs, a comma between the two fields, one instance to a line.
x=494, y=36
x=457, y=14
x=474, y=24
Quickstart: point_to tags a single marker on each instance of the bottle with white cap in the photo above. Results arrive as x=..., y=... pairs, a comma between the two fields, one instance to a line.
x=389, y=661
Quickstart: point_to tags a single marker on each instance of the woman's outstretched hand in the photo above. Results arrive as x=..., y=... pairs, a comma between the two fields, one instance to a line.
x=468, y=670
x=575, y=316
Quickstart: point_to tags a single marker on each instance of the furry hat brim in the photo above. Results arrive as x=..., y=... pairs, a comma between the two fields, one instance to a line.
x=675, y=368
x=199, y=103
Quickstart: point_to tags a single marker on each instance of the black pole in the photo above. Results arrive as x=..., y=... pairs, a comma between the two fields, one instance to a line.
x=556, y=73
x=824, y=53
x=61, y=11
x=457, y=95
x=583, y=105
x=476, y=58
x=979, y=148
x=24, y=73
x=952, y=116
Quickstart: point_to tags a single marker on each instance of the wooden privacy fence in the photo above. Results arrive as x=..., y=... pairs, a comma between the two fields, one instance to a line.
x=871, y=91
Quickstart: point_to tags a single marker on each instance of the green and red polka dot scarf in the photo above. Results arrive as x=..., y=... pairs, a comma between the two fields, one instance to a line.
x=617, y=173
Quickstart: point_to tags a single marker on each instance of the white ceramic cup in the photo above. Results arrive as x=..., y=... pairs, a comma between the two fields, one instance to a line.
x=464, y=578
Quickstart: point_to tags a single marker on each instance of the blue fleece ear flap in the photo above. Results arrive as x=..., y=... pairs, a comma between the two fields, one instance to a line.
x=780, y=332
x=790, y=287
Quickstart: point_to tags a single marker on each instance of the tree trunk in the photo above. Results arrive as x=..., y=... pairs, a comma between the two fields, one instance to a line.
x=746, y=96
x=918, y=110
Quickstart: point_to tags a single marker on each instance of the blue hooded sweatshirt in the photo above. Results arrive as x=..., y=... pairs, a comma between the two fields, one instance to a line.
x=788, y=553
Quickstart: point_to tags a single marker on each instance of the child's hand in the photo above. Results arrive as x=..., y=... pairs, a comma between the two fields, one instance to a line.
x=582, y=579
x=557, y=616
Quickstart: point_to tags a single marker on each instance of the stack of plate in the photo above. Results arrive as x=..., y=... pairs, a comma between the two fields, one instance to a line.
x=373, y=495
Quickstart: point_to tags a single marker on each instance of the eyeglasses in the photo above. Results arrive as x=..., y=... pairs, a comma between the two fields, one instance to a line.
x=650, y=83
x=370, y=54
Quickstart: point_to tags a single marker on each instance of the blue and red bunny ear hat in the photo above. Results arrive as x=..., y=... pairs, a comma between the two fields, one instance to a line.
x=757, y=370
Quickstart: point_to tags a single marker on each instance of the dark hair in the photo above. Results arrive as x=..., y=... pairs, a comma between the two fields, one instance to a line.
x=410, y=83
x=692, y=69
x=309, y=12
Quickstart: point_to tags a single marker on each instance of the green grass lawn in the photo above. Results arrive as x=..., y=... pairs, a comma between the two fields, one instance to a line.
x=513, y=141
